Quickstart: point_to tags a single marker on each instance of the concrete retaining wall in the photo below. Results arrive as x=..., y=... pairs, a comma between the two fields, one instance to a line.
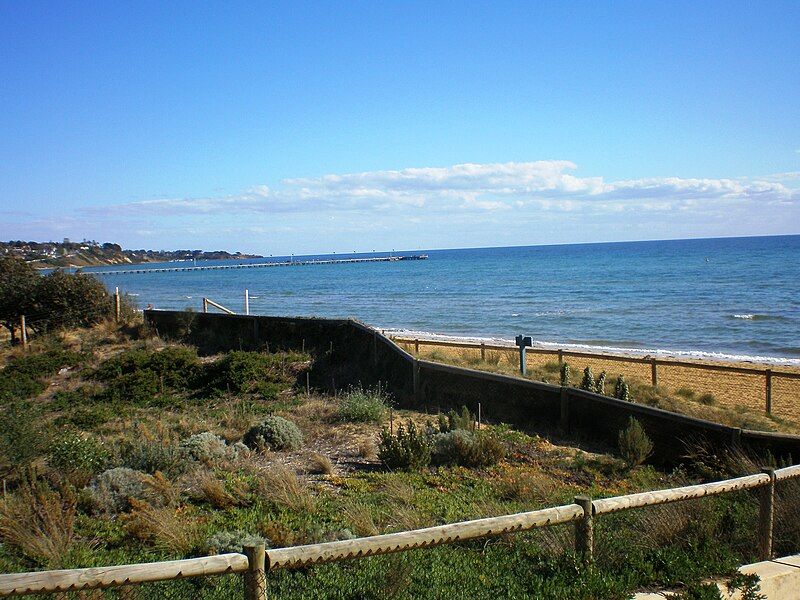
x=350, y=353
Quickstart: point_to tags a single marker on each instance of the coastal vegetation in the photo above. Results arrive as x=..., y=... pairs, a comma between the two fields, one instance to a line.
x=118, y=447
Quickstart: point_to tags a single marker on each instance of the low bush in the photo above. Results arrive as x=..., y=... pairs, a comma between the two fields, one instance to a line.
x=634, y=445
x=274, y=433
x=76, y=453
x=112, y=490
x=172, y=367
x=22, y=438
x=205, y=447
x=23, y=376
x=224, y=542
x=363, y=406
x=151, y=457
x=409, y=449
x=240, y=371
x=465, y=448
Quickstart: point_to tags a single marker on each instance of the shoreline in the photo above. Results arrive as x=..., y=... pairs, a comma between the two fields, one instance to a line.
x=697, y=356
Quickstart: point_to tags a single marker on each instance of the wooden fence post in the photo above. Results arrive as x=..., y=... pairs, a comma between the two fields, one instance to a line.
x=768, y=390
x=560, y=356
x=205, y=305
x=116, y=304
x=766, y=515
x=584, y=530
x=416, y=346
x=246, y=301
x=24, y=329
x=255, y=578
x=654, y=372
x=483, y=352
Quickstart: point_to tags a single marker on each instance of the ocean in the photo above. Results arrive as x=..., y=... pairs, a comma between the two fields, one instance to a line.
x=726, y=298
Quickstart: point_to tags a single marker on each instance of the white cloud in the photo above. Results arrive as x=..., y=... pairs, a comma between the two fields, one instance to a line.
x=540, y=185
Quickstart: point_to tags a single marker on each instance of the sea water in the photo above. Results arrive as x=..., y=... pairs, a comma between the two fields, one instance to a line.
x=729, y=298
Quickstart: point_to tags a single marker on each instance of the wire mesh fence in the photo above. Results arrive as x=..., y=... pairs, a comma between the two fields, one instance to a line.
x=706, y=384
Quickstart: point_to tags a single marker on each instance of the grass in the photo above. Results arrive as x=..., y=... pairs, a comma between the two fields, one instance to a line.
x=299, y=497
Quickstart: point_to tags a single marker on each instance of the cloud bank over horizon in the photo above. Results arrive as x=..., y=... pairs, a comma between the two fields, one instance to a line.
x=433, y=206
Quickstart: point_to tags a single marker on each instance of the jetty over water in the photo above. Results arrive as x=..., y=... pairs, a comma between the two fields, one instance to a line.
x=284, y=263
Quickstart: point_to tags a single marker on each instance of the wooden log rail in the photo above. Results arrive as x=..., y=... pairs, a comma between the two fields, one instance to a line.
x=257, y=562
x=43, y=582
x=302, y=556
x=206, y=302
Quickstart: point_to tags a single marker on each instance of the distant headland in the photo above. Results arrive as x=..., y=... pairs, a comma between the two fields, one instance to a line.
x=91, y=253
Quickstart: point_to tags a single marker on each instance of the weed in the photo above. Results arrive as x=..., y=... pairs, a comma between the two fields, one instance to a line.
x=409, y=449
x=587, y=383
x=40, y=522
x=363, y=406
x=685, y=393
x=707, y=399
x=165, y=528
x=75, y=453
x=564, y=375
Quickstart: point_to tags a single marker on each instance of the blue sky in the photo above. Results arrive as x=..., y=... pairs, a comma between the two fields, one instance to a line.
x=313, y=127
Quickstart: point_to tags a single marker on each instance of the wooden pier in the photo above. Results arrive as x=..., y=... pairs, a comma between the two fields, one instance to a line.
x=285, y=263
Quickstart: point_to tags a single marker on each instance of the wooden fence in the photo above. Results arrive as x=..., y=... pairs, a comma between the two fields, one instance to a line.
x=770, y=378
x=257, y=561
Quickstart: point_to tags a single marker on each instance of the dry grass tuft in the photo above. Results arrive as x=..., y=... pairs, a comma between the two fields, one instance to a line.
x=40, y=522
x=280, y=485
x=367, y=449
x=212, y=490
x=320, y=464
x=360, y=517
x=398, y=491
x=530, y=488
x=165, y=528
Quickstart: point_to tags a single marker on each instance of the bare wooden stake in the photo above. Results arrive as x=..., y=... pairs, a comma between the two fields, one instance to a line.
x=560, y=356
x=584, y=530
x=205, y=305
x=416, y=346
x=303, y=346
x=654, y=372
x=308, y=384
x=768, y=391
x=255, y=578
x=24, y=329
x=247, y=302
x=766, y=516
x=116, y=304
x=479, y=415
x=483, y=352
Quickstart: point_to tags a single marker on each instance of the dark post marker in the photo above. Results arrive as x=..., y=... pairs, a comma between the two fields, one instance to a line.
x=523, y=342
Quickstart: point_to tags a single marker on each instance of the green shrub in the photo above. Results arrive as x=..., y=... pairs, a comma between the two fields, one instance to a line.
x=66, y=300
x=621, y=390
x=363, y=406
x=22, y=438
x=75, y=453
x=86, y=418
x=465, y=448
x=274, y=433
x=111, y=491
x=150, y=457
x=224, y=542
x=564, y=374
x=634, y=445
x=456, y=420
x=600, y=384
x=409, y=449
x=175, y=368
x=205, y=447
x=587, y=383
x=137, y=387
x=23, y=375
x=247, y=371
